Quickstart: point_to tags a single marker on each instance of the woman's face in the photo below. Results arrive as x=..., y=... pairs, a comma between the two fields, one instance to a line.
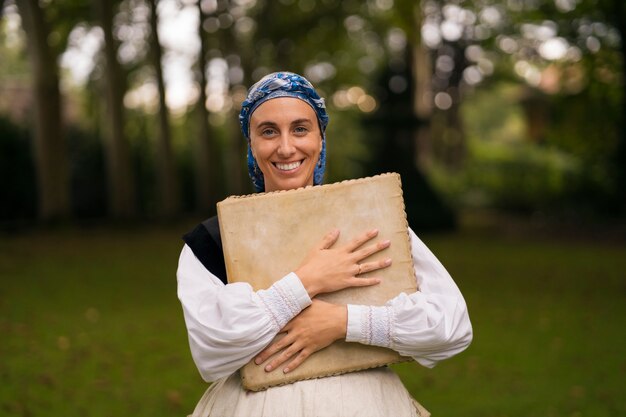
x=286, y=141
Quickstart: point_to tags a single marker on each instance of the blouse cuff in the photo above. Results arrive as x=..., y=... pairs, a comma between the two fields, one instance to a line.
x=284, y=299
x=369, y=325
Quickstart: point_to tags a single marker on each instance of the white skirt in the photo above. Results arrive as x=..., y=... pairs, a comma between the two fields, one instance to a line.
x=370, y=393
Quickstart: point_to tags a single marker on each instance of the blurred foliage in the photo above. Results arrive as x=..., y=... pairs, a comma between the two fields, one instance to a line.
x=347, y=145
x=542, y=98
x=518, y=177
x=13, y=63
x=540, y=128
x=505, y=170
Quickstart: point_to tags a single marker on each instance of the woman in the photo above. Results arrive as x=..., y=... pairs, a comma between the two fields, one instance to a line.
x=284, y=121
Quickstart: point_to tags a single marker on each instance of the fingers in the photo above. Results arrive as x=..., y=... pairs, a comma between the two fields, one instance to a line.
x=282, y=358
x=363, y=282
x=272, y=349
x=371, y=249
x=293, y=364
x=360, y=240
x=297, y=361
x=373, y=266
x=329, y=239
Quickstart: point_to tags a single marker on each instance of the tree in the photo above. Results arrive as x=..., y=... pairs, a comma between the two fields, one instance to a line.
x=50, y=153
x=567, y=58
x=169, y=196
x=121, y=181
x=616, y=11
x=588, y=120
x=206, y=193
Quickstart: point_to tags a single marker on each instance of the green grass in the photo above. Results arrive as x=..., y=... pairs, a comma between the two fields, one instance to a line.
x=90, y=326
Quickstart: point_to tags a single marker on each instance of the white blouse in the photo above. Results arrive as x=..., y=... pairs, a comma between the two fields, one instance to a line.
x=229, y=324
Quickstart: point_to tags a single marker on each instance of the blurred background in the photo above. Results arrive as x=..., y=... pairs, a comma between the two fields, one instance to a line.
x=119, y=132
x=129, y=109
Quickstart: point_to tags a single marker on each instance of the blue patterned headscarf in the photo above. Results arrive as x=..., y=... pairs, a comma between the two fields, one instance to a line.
x=282, y=84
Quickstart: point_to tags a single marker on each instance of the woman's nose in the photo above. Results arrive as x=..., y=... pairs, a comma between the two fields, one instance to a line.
x=286, y=147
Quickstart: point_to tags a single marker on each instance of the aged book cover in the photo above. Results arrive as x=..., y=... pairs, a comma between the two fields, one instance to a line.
x=266, y=236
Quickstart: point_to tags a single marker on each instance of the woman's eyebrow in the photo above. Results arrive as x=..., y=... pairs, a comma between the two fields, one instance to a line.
x=267, y=123
x=300, y=121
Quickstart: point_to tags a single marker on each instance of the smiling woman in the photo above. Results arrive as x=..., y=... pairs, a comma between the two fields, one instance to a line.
x=284, y=121
x=286, y=142
x=312, y=117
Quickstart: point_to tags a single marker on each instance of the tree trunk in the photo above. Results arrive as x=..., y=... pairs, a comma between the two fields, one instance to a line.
x=50, y=151
x=619, y=19
x=455, y=149
x=121, y=181
x=455, y=130
x=422, y=104
x=169, y=197
x=236, y=158
x=237, y=167
x=205, y=181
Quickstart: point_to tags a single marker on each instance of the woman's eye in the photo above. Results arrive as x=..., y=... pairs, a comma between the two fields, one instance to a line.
x=301, y=130
x=268, y=132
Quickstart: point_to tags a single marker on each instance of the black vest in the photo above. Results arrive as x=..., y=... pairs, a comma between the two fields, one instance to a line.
x=205, y=242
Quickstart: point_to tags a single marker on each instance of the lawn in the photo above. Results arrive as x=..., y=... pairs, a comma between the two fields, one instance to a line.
x=90, y=326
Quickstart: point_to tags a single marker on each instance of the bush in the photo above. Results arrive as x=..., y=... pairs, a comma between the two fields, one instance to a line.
x=516, y=177
x=17, y=178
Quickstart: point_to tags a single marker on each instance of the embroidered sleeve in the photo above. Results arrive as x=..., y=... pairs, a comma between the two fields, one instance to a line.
x=284, y=300
x=370, y=325
x=430, y=325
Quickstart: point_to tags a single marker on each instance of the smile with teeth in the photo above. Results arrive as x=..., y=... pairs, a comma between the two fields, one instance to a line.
x=289, y=166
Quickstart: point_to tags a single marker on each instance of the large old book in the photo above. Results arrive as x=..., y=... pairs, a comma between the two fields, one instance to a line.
x=266, y=236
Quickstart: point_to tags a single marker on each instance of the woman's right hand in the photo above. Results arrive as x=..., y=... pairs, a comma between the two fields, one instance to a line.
x=327, y=269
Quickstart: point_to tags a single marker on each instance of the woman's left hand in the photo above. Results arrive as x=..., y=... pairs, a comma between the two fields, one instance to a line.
x=313, y=329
